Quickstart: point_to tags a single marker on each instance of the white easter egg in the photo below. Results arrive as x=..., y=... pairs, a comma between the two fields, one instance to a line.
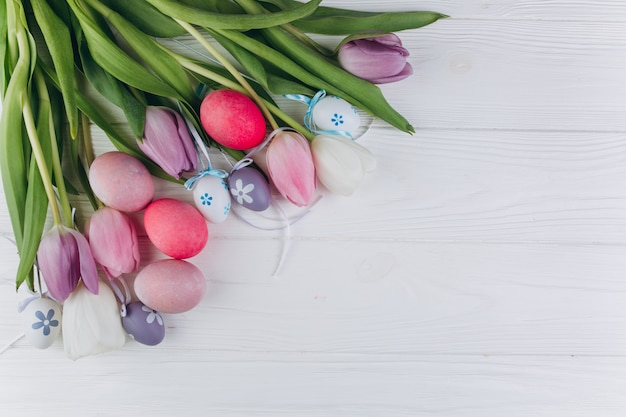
x=211, y=197
x=42, y=322
x=334, y=113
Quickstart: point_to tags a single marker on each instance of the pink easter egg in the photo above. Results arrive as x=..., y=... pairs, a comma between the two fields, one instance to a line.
x=170, y=286
x=121, y=181
x=176, y=228
x=232, y=119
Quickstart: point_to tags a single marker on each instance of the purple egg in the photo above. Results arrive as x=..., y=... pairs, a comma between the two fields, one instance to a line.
x=249, y=188
x=143, y=324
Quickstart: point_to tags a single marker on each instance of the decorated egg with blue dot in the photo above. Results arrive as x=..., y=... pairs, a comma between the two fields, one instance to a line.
x=334, y=113
x=249, y=188
x=143, y=324
x=211, y=197
x=42, y=322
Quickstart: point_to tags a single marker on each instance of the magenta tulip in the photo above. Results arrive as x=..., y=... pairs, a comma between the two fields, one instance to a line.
x=378, y=59
x=290, y=166
x=113, y=240
x=167, y=142
x=63, y=258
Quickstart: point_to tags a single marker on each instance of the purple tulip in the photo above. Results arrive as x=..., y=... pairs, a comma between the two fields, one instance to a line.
x=378, y=59
x=113, y=240
x=167, y=142
x=290, y=166
x=63, y=258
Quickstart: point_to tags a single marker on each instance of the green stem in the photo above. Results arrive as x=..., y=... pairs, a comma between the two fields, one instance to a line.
x=33, y=137
x=56, y=158
x=87, y=142
x=235, y=73
x=88, y=150
x=306, y=40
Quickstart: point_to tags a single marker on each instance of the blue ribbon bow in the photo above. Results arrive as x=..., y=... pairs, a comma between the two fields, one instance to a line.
x=309, y=123
x=219, y=173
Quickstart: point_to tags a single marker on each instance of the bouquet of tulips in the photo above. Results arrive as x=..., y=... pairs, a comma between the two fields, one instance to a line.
x=176, y=106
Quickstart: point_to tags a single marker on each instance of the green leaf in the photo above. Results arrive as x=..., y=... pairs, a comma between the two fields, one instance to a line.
x=146, y=18
x=115, y=61
x=156, y=57
x=201, y=17
x=111, y=89
x=249, y=61
x=4, y=45
x=59, y=43
x=14, y=149
x=336, y=21
x=36, y=207
x=385, y=22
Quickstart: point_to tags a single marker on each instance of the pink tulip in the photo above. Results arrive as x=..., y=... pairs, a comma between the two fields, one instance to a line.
x=63, y=258
x=167, y=142
x=290, y=166
x=113, y=241
x=378, y=59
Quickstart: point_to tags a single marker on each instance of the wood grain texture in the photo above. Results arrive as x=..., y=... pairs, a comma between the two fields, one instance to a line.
x=479, y=271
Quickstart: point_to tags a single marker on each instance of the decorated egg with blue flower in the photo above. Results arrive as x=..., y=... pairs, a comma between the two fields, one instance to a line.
x=143, y=324
x=249, y=188
x=42, y=322
x=334, y=113
x=212, y=198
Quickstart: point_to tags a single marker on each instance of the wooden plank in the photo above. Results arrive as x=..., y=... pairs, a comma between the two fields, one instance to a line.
x=268, y=385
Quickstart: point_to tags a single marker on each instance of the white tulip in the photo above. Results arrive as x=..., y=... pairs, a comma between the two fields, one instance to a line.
x=91, y=322
x=340, y=163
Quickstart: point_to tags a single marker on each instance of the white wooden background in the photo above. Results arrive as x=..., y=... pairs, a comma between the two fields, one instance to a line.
x=480, y=271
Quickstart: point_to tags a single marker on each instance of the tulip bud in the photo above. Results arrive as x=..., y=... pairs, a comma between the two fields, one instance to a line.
x=63, y=258
x=340, y=163
x=167, y=142
x=91, y=323
x=113, y=241
x=378, y=59
x=290, y=166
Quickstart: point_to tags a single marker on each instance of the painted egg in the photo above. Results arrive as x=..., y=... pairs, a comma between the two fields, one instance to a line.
x=250, y=189
x=42, y=322
x=176, y=228
x=170, y=286
x=143, y=324
x=232, y=119
x=121, y=181
x=212, y=198
x=334, y=113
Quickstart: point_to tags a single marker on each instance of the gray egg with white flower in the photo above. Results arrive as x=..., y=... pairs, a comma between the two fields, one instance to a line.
x=42, y=322
x=143, y=324
x=249, y=188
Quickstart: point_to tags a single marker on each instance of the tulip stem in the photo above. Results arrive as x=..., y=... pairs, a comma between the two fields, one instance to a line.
x=235, y=73
x=87, y=143
x=46, y=179
x=54, y=148
x=89, y=153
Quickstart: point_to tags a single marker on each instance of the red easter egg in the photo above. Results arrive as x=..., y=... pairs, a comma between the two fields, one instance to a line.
x=232, y=119
x=176, y=228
